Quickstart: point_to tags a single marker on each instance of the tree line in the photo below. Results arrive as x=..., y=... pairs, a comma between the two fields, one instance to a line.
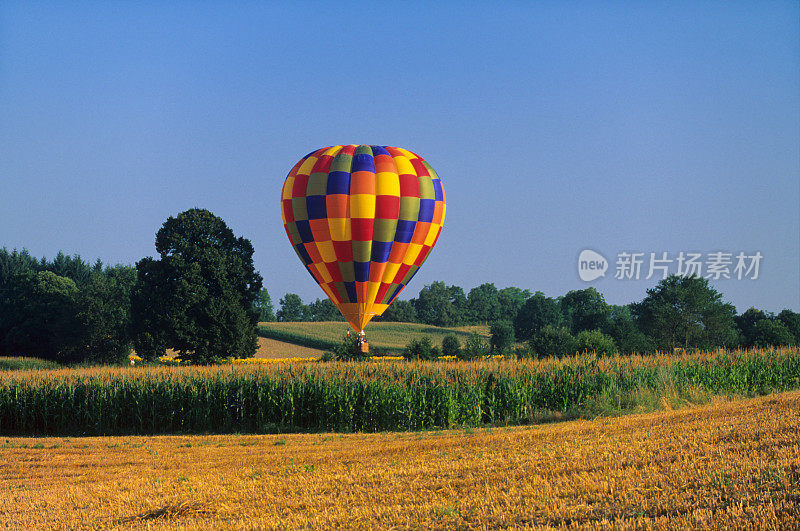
x=199, y=298
x=679, y=312
x=203, y=298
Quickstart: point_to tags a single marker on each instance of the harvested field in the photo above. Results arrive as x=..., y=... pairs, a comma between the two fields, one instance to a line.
x=273, y=349
x=724, y=465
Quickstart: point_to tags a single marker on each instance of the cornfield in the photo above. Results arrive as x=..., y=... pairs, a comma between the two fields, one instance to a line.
x=372, y=397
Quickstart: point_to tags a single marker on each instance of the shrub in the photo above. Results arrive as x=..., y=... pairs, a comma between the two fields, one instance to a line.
x=421, y=349
x=475, y=347
x=552, y=341
x=348, y=349
x=502, y=336
x=451, y=345
x=595, y=341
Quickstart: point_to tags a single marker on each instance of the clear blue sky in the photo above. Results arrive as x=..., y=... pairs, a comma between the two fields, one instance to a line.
x=555, y=127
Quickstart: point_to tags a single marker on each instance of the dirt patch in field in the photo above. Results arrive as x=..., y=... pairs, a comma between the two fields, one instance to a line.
x=271, y=349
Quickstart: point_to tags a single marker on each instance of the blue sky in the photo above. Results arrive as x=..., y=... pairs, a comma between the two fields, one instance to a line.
x=555, y=127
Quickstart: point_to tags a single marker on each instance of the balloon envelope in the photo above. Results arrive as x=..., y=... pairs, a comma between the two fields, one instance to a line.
x=362, y=219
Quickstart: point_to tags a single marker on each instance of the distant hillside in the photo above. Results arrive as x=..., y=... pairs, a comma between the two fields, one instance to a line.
x=383, y=337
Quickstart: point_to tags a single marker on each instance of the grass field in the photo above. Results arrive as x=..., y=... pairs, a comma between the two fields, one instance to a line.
x=728, y=464
x=14, y=363
x=382, y=337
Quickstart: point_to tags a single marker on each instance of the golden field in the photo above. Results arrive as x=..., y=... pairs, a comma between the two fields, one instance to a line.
x=723, y=465
x=268, y=349
x=272, y=349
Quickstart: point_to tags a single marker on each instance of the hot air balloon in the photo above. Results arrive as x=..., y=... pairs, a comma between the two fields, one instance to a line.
x=362, y=219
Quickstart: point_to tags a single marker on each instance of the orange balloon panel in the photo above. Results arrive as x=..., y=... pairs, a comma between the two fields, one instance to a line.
x=362, y=219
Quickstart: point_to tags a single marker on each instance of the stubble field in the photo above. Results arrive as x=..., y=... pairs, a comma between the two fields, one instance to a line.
x=723, y=465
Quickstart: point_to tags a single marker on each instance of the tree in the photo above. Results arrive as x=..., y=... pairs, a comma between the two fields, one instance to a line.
x=474, y=347
x=792, y=321
x=263, y=305
x=209, y=287
x=585, y=309
x=72, y=267
x=152, y=302
x=451, y=345
x=322, y=310
x=626, y=335
x=483, y=304
x=441, y=305
x=537, y=312
x=93, y=319
x=292, y=308
x=12, y=265
x=421, y=349
x=747, y=324
x=596, y=342
x=686, y=312
x=37, y=316
x=771, y=333
x=502, y=337
x=103, y=316
x=511, y=300
x=400, y=311
x=553, y=341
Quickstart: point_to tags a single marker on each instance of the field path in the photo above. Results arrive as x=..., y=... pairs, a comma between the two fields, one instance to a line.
x=725, y=465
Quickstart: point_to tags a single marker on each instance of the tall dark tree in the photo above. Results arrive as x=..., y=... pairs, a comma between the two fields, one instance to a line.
x=502, y=337
x=458, y=301
x=69, y=266
x=292, y=308
x=400, y=311
x=483, y=304
x=12, y=264
x=622, y=328
x=322, y=310
x=37, y=316
x=747, y=324
x=103, y=316
x=210, y=285
x=792, y=321
x=585, y=309
x=152, y=305
x=441, y=305
x=771, y=332
x=536, y=313
x=511, y=300
x=686, y=312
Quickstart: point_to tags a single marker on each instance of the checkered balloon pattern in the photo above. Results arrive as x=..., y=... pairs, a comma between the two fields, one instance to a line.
x=363, y=220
